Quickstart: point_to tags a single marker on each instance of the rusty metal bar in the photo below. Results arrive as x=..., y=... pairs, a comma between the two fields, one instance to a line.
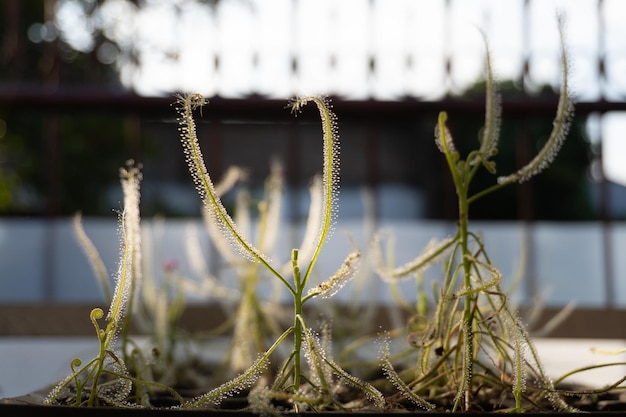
x=254, y=108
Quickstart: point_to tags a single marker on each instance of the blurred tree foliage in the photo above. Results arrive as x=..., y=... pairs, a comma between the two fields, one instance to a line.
x=63, y=163
x=59, y=163
x=54, y=162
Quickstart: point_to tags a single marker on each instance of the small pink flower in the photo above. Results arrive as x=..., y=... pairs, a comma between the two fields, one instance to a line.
x=170, y=265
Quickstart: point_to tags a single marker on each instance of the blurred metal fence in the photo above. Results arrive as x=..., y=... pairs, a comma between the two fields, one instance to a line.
x=369, y=115
x=52, y=98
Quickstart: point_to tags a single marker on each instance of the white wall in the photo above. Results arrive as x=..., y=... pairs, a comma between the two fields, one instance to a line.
x=42, y=261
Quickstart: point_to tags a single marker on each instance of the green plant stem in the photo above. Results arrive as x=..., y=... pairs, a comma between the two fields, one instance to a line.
x=486, y=191
x=297, y=346
x=97, y=370
x=462, y=173
x=298, y=321
x=468, y=315
x=116, y=311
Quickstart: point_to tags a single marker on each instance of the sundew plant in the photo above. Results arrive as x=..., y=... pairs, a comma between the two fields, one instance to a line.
x=124, y=375
x=470, y=344
x=106, y=379
x=311, y=388
x=255, y=321
x=466, y=349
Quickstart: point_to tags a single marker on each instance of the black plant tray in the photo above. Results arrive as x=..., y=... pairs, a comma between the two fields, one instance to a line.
x=29, y=404
x=25, y=405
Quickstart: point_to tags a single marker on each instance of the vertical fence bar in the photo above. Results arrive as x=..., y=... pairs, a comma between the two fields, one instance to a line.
x=605, y=192
x=132, y=129
x=372, y=155
x=525, y=213
x=293, y=173
x=607, y=227
x=12, y=48
x=53, y=178
x=51, y=74
x=528, y=228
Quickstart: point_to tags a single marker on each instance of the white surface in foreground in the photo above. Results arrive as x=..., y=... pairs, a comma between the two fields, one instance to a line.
x=30, y=363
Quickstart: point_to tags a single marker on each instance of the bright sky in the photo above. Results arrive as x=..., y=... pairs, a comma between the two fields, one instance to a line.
x=177, y=48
